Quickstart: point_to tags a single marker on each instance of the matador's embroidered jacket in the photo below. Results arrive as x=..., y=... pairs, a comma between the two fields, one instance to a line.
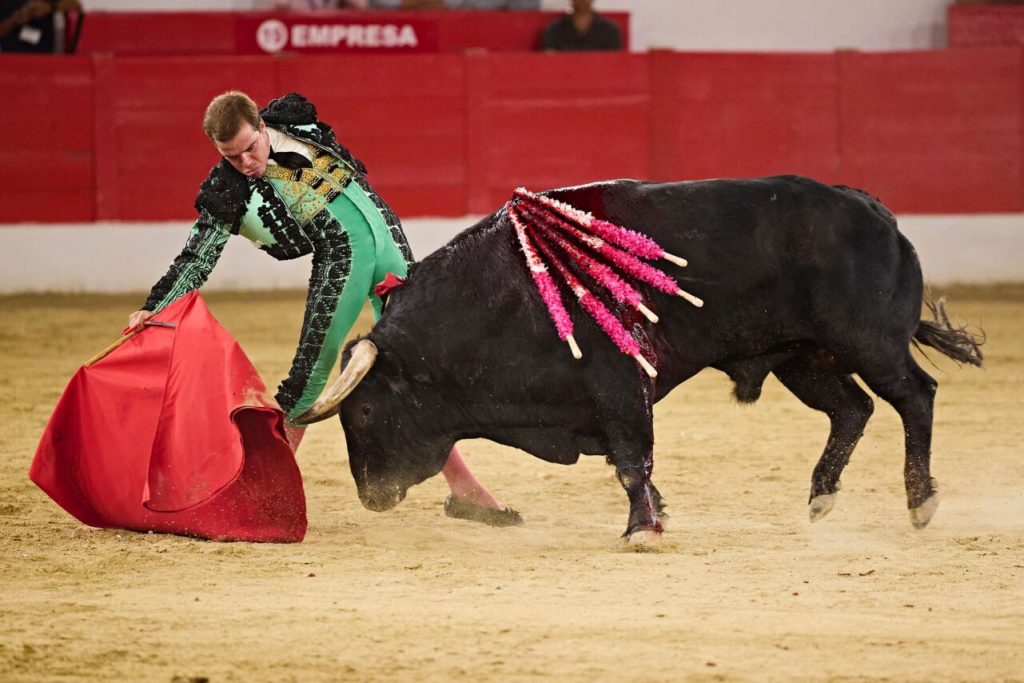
x=229, y=203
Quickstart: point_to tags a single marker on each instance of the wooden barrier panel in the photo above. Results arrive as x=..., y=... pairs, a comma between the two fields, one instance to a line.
x=403, y=116
x=547, y=120
x=935, y=132
x=151, y=153
x=722, y=115
x=46, y=140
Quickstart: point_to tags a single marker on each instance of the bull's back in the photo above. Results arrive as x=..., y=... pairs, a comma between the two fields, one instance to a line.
x=780, y=220
x=778, y=260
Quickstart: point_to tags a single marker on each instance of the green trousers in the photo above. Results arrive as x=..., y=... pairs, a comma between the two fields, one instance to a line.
x=373, y=255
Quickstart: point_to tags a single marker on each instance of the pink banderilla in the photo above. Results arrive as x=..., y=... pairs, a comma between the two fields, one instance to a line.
x=601, y=273
x=597, y=310
x=605, y=252
x=572, y=220
x=635, y=242
x=547, y=288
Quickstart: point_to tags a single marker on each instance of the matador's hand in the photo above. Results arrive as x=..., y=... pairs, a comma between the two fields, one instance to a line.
x=137, y=318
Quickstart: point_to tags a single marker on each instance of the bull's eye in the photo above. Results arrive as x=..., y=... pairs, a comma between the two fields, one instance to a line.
x=365, y=415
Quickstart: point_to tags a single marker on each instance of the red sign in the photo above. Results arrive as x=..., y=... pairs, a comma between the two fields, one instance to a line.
x=311, y=34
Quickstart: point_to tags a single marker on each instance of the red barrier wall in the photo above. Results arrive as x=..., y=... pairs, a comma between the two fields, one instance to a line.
x=158, y=33
x=403, y=116
x=548, y=120
x=986, y=25
x=118, y=138
x=151, y=153
x=935, y=132
x=717, y=115
x=46, y=140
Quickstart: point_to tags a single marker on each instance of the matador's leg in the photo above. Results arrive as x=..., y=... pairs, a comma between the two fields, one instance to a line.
x=343, y=265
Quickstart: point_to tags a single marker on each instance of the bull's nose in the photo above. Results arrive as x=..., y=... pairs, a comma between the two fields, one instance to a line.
x=381, y=497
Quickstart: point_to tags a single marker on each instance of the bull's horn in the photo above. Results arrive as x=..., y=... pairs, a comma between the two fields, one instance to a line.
x=364, y=353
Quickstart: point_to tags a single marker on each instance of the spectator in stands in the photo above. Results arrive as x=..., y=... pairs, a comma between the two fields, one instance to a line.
x=456, y=4
x=582, y=29
x=406, y=4
x=34, y=25
x=314, y=5
x=285, y=183
x=493, y=4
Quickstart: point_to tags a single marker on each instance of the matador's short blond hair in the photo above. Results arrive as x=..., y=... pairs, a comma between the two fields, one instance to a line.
x=226, y=114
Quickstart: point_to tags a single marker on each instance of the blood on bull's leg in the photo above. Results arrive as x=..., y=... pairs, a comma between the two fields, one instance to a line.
x=632, y=454
x=645, y=506
x=631, y=443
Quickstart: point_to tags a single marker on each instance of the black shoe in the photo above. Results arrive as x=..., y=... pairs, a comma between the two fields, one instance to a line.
x=460, y=508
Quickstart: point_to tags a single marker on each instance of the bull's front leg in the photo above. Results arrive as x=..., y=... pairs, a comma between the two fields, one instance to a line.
x=631, y=443
x=632, y=454
x=646, y=509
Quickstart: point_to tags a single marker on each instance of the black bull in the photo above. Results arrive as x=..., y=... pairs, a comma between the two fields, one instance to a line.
x=809, y=282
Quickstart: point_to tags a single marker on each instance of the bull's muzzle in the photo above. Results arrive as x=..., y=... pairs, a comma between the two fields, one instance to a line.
x=380, y=497
x=364, y=353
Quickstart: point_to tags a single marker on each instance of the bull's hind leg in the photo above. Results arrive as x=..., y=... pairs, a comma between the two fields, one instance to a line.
x=911, y=391
x=815, y=380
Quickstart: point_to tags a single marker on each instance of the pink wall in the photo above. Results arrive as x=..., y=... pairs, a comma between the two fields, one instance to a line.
x=118, y=138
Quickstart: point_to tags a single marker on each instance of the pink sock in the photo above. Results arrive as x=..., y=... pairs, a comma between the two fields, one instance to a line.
x=463, y=484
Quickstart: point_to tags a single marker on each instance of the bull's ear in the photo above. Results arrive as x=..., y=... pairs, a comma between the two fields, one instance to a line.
x=361, y=357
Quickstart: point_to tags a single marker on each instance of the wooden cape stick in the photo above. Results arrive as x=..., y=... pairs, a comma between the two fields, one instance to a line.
x=105, y=352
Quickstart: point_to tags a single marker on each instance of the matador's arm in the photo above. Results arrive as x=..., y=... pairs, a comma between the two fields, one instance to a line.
x=193, y=265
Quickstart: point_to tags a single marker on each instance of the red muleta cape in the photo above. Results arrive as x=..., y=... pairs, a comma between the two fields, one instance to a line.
x=173, y=432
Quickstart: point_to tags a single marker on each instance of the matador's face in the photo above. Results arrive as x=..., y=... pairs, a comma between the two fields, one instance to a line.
x=248, y=151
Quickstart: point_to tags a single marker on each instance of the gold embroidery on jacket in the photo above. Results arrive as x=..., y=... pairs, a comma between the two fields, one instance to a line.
x=307, y=191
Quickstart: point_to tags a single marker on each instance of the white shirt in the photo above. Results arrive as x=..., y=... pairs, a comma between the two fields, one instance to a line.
x=281, y=142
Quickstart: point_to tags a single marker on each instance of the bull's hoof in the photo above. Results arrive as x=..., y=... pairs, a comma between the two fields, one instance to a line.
x=821, y=505
x=460, y=508
x=643, y=540
x=923, y=513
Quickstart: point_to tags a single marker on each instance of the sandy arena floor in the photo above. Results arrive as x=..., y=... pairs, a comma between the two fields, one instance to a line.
x=745, y=588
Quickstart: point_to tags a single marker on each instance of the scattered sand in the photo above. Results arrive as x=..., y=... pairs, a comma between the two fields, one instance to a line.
x=744, y=587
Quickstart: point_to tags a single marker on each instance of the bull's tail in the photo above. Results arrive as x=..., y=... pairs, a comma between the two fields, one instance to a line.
x=958, y=343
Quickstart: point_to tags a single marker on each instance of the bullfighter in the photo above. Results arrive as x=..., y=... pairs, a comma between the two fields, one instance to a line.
x=285, y=183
